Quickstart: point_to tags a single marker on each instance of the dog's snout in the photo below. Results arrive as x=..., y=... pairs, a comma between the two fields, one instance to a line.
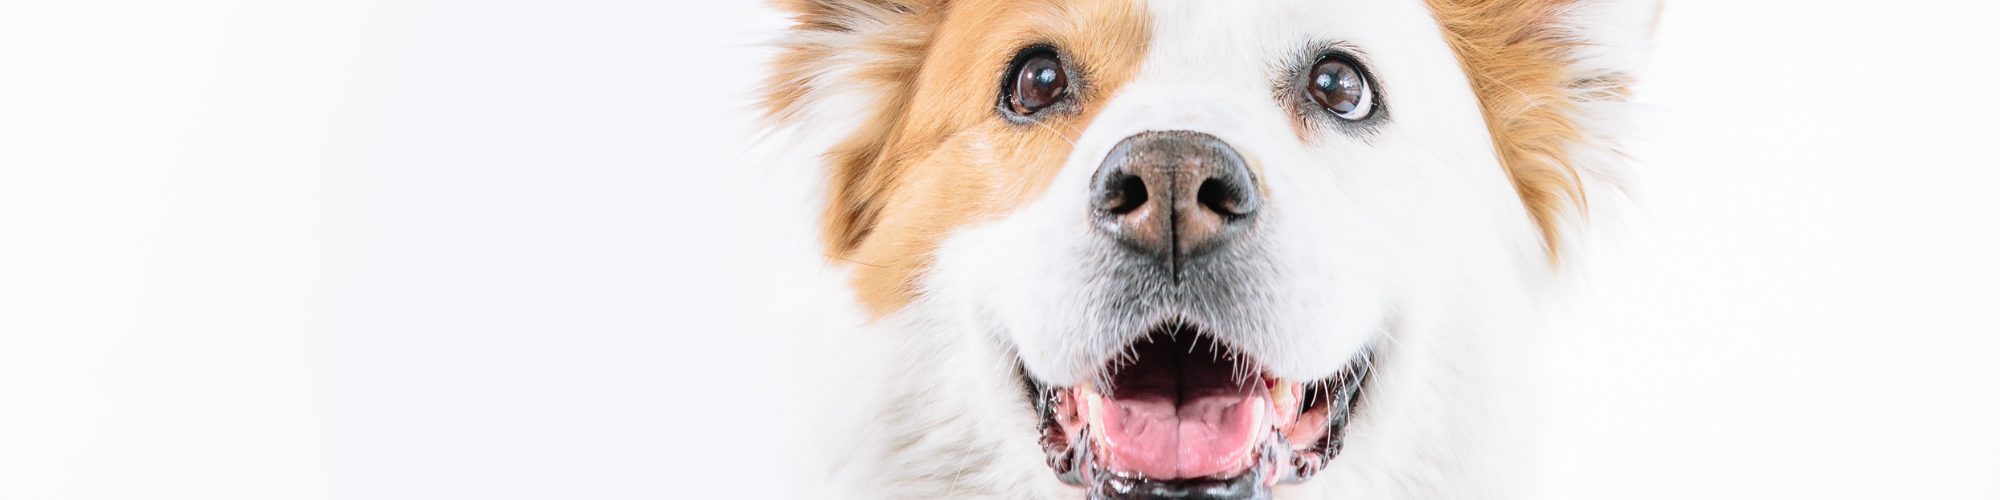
x=1175, y=195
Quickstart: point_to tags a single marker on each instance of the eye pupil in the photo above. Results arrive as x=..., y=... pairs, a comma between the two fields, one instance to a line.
x=1038, y=82
x=1340, y=88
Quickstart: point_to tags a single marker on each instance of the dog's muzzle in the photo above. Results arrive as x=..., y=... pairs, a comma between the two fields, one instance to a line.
x=1181, y=412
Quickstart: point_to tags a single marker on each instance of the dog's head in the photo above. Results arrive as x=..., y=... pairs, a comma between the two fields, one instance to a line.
x=1192, y=221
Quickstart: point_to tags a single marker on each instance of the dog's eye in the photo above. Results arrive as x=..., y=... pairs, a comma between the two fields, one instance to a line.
x=1340, y=87
x=1039, y=82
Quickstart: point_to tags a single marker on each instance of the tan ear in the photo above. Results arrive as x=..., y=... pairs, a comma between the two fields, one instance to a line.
x=848, y=66
x=843, y=42
x=1554, y=78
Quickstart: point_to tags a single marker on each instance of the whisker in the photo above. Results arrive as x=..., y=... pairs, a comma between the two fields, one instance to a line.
x=1058, y=133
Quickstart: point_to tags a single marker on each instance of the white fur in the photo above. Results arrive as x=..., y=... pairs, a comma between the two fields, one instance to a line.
x=1408, y=238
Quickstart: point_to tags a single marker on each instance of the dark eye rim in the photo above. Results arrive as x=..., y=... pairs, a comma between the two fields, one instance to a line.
x=1066, y=104
x=1295, y=90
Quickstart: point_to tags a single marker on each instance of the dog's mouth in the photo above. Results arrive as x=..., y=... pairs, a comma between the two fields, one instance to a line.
x=1184, y=416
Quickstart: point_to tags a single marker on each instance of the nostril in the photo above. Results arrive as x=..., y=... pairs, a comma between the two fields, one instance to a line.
x=1223, y=198
x=1126, y=194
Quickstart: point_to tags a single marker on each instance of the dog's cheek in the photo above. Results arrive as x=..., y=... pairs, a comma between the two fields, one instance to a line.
x=1026, y=279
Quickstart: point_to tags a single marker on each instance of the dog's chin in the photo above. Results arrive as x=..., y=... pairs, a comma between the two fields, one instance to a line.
x=1181, y=415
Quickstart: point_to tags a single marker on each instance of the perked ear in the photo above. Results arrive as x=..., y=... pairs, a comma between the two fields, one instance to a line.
x=1554, y=78
x=847, y=67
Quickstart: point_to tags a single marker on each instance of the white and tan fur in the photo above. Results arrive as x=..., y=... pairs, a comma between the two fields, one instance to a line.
x=1437, y=238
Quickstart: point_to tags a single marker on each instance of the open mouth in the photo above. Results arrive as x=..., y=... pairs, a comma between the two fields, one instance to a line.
x=1184, y=416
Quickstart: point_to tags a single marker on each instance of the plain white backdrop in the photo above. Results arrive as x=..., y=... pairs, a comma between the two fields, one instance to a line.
x=491, y=250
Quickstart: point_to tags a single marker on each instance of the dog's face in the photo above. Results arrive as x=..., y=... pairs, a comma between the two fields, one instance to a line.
x=1190, y=222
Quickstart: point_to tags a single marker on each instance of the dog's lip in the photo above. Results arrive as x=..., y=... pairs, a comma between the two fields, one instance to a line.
x=1306, y=423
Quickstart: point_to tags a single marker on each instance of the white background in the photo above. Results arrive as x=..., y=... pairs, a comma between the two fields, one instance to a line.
x=433, y=249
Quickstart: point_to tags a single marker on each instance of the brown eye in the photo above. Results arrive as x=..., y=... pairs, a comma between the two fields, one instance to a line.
x=1038, y=82
x=1339, y=87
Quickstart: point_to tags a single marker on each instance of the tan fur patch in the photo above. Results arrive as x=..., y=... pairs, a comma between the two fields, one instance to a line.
x=937, y=156
x=1518, y=57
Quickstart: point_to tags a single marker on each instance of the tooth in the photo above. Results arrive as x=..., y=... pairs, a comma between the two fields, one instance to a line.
x=1282, y=393
x=1095, y=407
x=1094, y=404
x=1285, y=398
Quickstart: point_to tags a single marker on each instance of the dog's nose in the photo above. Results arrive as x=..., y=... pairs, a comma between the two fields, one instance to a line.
x=1174, y=195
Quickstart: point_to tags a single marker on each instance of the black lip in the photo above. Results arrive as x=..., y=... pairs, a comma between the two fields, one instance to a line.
x=1072, y=462
x=1244, y=487
x=1343, y=392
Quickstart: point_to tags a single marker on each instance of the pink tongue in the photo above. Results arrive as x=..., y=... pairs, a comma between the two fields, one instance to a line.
x=1204, y=436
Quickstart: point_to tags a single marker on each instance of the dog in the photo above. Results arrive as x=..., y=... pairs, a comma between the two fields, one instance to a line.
x=1201, y=249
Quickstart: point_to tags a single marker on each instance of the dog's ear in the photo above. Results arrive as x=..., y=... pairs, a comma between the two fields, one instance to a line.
x=1555, y=80
x=847, y=66
x=871, y=45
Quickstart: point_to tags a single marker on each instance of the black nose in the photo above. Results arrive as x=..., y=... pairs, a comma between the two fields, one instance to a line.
x=1174, y=195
